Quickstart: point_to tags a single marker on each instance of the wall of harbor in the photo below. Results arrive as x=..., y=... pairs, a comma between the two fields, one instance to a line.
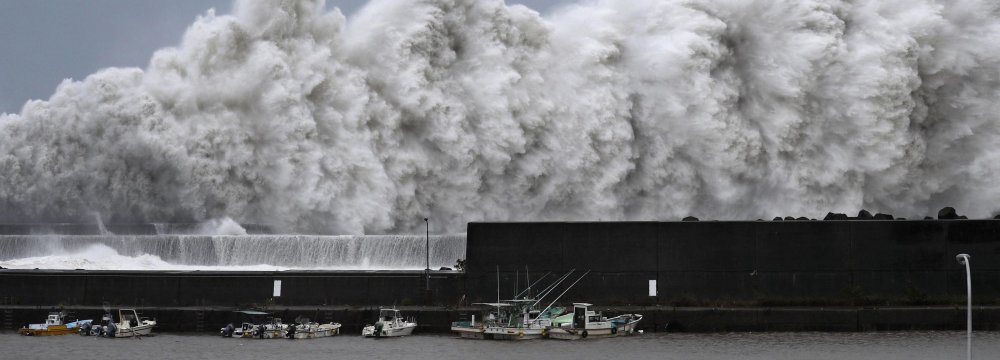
x=710, y=276
x=898, y=262
x=228, y=288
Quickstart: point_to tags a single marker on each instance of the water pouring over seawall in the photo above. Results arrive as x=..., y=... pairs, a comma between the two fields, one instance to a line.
x=243, y=252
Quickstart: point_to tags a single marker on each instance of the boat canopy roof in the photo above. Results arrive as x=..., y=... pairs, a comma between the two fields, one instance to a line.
x=251, y=312
x=493, y=304
x=582, y=305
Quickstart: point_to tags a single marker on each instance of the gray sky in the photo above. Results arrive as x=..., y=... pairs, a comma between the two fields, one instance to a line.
x=46, y=41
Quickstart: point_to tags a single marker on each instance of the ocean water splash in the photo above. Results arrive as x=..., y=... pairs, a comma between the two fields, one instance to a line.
x=288, y=115
x=233, y=253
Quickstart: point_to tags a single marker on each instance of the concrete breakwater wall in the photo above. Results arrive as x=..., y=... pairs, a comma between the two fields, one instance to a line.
x=709, y=276
x=743, y=262
x=227, y=288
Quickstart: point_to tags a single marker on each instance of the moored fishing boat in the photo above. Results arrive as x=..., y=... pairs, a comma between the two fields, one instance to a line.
x=311, y=330
x=54, y=325
x=492, y=314
x=584, y=323
x=524, y=323
x=129, y=324
x=390, y=324
x=250, y=325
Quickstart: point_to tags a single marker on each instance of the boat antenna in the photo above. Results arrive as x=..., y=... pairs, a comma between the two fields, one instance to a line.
x=552, y=287
x=516, y=277
x=536, y=282
x=498, y=287
x=563, y=293
x=527, y=280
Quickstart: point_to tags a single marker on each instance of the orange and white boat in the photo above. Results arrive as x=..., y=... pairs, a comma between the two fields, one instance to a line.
x=54, y=325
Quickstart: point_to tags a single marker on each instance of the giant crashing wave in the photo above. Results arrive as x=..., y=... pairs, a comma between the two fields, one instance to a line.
x=293, y=116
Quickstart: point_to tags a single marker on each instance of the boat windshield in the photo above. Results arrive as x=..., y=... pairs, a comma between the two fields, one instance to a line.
x=388, y=315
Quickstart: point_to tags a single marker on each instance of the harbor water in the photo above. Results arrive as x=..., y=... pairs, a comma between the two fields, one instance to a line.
x=808, y=345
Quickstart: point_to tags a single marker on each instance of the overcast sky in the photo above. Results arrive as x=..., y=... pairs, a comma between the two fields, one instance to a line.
x=43, y=42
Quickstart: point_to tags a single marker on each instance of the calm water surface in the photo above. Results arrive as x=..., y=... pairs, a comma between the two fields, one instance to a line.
x=878, y=345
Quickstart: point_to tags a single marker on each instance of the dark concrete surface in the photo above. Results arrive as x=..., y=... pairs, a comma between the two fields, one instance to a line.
x=720, y=275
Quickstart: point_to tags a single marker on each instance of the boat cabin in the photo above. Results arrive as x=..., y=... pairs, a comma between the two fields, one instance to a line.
x=127, y=318
x=583, y=316
x=493, y=313
x=55, y=318
x=388, y=315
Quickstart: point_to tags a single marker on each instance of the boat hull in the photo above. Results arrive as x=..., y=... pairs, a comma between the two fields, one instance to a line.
x=52, y=330
x=269, y=334
x=561, y=333
x=468, y=333
x=319, y=332
x=369, y=331
x=514, y=333
x=141, y=330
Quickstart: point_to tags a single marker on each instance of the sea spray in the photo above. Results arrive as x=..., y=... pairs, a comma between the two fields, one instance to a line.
x=296, y=117
x=167, y=252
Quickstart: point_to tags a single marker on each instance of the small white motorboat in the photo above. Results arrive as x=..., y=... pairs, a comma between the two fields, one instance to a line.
x=584, y=323
x=390, y=324
x=252, y=325
x=306, y=329
x=129, y=325
x=272, y=328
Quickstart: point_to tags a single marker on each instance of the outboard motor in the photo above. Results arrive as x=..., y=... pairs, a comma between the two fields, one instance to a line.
x=291, y=331
x=111, y=330
x=85, y=329
x=228, y=331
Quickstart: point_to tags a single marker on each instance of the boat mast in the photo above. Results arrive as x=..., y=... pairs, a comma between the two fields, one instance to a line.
x=527, y=280
x=564, y=292
x=552, y=287
x=498, y=292
x=516, y=277
x=536, y=282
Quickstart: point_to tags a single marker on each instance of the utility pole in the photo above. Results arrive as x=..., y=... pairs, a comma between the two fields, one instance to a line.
x=963, y=259
x=427, y=270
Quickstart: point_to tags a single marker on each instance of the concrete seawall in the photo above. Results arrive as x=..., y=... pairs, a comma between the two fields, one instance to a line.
x=227, y=288
x=893, y=262
x=709, y=276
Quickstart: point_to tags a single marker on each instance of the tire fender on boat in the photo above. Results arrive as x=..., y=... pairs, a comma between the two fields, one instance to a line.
x=584, y=334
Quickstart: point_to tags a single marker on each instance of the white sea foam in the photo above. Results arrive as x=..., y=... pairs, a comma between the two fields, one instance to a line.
x=462, y=110
x=102, y=257
x=243, y=252
x=221, y=226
